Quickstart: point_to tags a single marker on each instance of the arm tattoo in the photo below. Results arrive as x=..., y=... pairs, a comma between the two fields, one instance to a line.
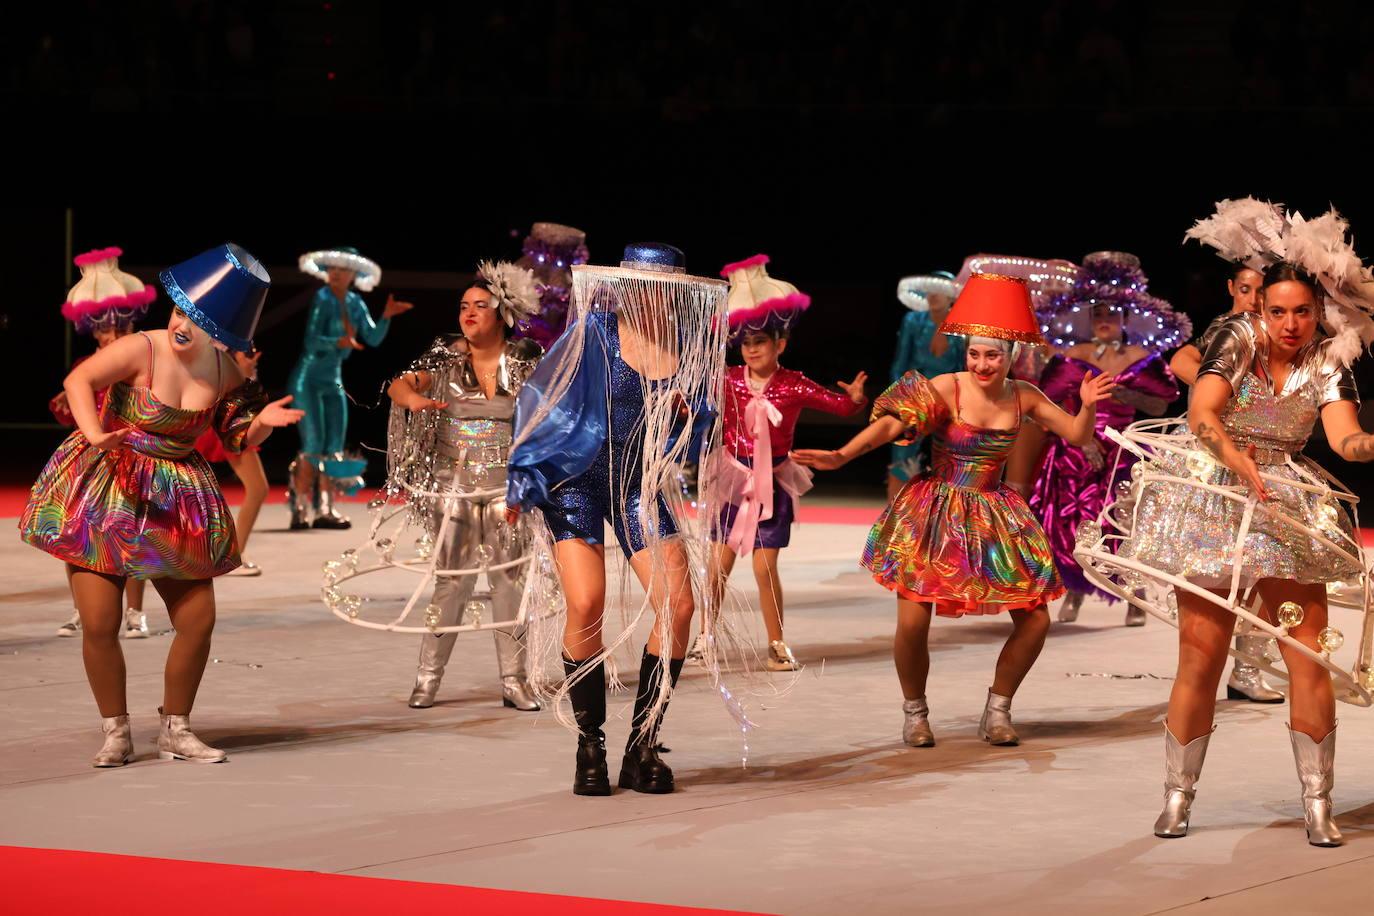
x=1358, y=447
x=1209, y=437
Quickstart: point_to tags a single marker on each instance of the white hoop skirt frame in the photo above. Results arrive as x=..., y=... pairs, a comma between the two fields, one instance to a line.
x=1153, y=589
x=392, y=524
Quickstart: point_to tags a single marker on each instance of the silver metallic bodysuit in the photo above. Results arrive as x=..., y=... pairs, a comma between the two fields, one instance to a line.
x=463, y=449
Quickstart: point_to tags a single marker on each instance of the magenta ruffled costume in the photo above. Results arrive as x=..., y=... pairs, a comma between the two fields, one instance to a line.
x=1075, y=483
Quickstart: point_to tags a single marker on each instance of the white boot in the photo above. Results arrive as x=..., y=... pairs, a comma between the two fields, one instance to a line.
x=135, y=624
x=119, y=743
x=916, y=723
x=176, y=741
x=995, y=727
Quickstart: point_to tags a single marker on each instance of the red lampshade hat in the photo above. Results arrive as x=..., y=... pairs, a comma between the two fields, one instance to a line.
x=993, y=305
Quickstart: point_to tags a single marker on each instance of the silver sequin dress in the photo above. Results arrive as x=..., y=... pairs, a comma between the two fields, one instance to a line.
x=1192, y=532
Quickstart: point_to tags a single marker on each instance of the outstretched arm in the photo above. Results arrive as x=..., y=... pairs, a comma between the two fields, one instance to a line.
x=878, y=433
x=1078, y=428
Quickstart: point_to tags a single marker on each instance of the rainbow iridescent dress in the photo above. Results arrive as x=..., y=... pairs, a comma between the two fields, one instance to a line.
x=151, y=510
x=957, y=537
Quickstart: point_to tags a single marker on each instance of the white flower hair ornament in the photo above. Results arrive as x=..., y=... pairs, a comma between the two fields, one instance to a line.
x=512, y=289
x=1259, y=234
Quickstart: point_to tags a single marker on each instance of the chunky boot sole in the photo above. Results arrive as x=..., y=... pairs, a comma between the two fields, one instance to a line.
x=599, y=789
x=629, y=779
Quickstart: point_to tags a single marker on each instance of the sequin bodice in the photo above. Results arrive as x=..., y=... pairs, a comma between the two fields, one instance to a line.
x=1280, y=423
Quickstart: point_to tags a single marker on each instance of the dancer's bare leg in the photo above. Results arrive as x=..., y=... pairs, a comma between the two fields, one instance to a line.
x=1204, y=632
x=770, y=590
x=134, y=590
x=911, y=647
x=669, y=587
x=191, y=605
x=582, y=572
x=98, y=599
x=1028, y=629
x=248, y=469
x=1311, y=699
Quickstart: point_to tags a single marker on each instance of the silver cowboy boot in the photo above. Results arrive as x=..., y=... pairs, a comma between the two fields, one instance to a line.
x=176, y=741
x=916, y=723
x=1317, y=772
x=510, y=658
x=1182, y=767
x=1246, y=681
x=995, y=727
x=119, y=743
x=435, y=650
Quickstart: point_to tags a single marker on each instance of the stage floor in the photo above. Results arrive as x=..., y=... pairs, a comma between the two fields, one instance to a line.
x=331, y=771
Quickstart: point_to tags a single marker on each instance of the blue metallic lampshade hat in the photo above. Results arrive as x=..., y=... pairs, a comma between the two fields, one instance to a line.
x=654, y=256
x=222, y=290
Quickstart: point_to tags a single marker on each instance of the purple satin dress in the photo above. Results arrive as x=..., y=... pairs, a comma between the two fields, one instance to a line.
x=1074, y=483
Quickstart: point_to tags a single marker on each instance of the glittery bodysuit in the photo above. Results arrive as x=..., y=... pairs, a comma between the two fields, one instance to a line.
x=1192, y=532
x=578, y=507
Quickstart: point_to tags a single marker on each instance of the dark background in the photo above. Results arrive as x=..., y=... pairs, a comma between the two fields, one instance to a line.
x=854, y=143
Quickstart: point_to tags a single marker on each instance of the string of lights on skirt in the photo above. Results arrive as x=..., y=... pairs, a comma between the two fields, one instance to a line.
x=1163, y=447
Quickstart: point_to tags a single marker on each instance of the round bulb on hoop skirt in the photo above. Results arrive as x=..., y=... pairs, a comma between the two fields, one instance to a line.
x=1290, y=614
x=1330, y=639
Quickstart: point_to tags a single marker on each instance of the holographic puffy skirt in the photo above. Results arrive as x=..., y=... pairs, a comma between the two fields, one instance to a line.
x=1191, y=531
x=958, y=538
x=151, y=510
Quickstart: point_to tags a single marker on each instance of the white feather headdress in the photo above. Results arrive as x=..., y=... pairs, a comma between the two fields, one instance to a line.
x=512, y=288
x=1260, y=234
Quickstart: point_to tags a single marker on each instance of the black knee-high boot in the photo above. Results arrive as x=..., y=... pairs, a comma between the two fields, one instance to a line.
x=588, y=697
x=642, y=769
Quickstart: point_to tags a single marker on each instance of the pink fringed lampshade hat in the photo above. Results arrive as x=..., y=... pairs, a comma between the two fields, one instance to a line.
x=758, y=302
x=105, y=296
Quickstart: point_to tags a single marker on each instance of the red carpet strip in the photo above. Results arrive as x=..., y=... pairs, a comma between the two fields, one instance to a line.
x=62, y=881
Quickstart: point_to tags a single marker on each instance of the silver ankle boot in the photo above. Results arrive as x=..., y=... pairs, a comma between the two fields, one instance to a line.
x=995, y=727
x=1068, y=611
x=916, y=724
x=1317, y=773
x=176, y=741
x=510, y=660
x=1182, y=767
x=1246, y=682
x=119, y=743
